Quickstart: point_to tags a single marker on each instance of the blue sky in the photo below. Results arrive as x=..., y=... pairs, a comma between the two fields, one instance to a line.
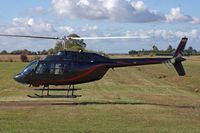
x=165, y=21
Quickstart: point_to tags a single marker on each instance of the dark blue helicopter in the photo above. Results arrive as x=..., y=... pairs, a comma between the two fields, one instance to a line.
x=71, y=68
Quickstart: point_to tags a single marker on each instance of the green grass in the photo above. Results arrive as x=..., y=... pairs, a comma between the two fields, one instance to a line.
x=99, y=118
x=133, y=99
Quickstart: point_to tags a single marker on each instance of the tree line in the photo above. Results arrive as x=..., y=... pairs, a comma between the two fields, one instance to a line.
x=168, y=52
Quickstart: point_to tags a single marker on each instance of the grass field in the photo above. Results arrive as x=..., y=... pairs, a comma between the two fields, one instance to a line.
x=127, y=100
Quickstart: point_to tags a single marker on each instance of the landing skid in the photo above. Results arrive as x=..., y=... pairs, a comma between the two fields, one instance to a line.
x=53, y=96
x=69, y=92
x=59, y=89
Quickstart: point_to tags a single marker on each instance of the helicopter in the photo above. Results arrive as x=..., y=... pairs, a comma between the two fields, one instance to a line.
x=77, y=67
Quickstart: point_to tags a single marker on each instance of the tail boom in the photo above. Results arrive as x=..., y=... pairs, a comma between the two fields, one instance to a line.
x=137, y=61
x=175, y=60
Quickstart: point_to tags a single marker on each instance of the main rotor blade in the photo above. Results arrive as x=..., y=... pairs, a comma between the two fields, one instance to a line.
x=77, y=38
x=110, y=37
x=37, y=37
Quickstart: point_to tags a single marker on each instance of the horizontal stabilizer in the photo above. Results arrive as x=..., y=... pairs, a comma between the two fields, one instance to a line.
x=179, y=68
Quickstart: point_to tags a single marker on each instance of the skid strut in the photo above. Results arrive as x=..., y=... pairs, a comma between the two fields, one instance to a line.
x=44, y=88
x=71, y=88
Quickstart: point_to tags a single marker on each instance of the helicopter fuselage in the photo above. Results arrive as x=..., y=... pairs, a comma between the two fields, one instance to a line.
x=69, y=68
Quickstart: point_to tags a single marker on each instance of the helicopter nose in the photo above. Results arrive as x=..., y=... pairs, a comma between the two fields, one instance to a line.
x=18, y=78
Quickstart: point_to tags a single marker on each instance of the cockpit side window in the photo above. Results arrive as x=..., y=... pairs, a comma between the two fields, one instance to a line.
x=42, y=69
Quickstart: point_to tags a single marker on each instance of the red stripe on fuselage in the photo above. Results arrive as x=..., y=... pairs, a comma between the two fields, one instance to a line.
x=85, y=73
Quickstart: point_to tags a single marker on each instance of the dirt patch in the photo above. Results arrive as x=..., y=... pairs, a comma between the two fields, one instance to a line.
x=161, y=101
x=169, y=100
x=16, y=104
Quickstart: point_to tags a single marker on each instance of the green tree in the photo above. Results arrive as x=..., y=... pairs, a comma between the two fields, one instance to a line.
x=25, y=52
x=70, y=44
x=133, y=52
x=155, y=48
x=59, y=46
x=51, y=51
x=44, y=52
x=24, y=57
x=73, y=44
x=191, y=51
x=4, y=52
x=170, y=48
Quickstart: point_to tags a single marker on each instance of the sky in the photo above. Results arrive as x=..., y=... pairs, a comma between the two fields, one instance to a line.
x=164, y=21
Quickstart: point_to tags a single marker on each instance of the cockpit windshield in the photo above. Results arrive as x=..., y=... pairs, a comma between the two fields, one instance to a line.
x=30, y=67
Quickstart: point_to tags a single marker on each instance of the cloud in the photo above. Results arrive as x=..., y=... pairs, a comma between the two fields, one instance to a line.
x=176, y=15
x=29, y=26
x=22, y=21
x=139, y=5
x=33, y=26
x=89, y=28
x=115, y=10
x=26, y=26
x=37, y=10
x=133, y=11
x=67, y=29
x=166, y=34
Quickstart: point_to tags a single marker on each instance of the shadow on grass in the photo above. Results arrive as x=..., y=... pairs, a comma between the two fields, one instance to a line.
x=123, y=103
x=95, y=103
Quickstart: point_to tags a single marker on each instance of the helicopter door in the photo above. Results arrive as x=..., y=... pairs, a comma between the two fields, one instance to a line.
x=42, y=72
x=57, y=71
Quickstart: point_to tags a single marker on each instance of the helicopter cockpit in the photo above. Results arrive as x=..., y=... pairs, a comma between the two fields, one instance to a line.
x=21, y=77
x=29, y=68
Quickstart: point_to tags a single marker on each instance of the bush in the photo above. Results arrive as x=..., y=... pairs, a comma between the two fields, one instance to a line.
x=10, y=60
x=37, y=57
x=24, y=58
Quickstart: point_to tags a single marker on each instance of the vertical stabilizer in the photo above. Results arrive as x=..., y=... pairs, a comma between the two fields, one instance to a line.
x=177, y=58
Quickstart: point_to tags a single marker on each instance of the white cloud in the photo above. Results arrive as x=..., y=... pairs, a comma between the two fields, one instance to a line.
x=166, y=34
x=116, y=10
x=29, y=26
x=22, y=21
x=32, y=26
x=139, y=5
x=37, y=9
x=83, y=3
x=67, y=29
x=89, y=28
x=176, y=15
x=134, y=11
